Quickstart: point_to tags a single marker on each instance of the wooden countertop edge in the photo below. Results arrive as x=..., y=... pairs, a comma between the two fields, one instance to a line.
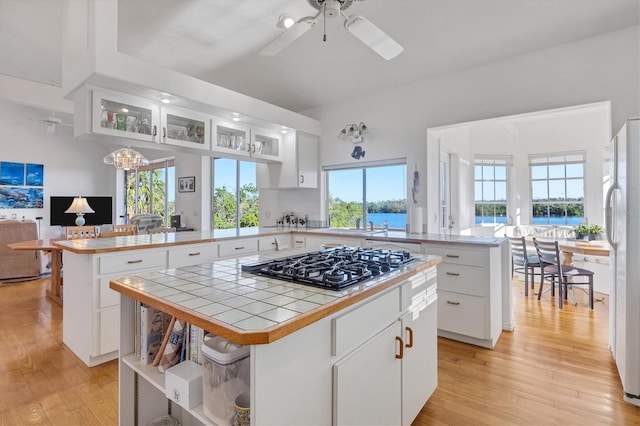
x=243, y=337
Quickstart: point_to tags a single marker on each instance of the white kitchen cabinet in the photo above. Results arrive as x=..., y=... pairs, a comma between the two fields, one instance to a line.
x=91, y=312
x=265, y=145
x=392, y=245
x=329, y=240
x=124, y=116
x=470, y=280
x=362, y=397
x=185, y=128
x=238, y=141
x=238, y=247
x=299, y=168
x=192, y=254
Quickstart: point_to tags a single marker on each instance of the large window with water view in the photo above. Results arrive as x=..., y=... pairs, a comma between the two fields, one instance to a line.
x=376, y=194
x=557, y=188
x=235, y=194
x=490, y=179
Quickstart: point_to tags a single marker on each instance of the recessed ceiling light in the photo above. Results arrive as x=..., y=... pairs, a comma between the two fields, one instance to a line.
x=286, y=21
x=124, y=109
x=236, y=118
x=283, y=129
x=165, y=99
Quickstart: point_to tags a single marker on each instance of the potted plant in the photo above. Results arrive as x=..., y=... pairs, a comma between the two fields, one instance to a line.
x=587, y=232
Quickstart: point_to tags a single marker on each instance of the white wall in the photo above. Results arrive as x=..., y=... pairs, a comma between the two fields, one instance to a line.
x=591, y=70
x=71, y=167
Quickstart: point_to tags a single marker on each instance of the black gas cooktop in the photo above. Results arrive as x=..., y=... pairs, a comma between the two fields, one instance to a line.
x=334, y=268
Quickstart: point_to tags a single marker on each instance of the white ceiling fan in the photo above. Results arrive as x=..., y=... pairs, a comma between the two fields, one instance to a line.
x=359, y=26
x=52, y=122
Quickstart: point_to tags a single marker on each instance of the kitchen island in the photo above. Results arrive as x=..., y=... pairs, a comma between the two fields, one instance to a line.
x=312, y=354
x=91, y=311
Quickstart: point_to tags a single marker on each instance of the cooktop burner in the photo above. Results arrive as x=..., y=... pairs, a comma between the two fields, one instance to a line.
x=334, y=268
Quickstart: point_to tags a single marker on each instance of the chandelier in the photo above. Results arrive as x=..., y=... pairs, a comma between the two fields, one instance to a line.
x=126, y=159
x=354, y=132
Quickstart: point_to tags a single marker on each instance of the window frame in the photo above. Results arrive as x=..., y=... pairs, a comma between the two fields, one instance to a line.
x=165, y=163
x=363, y=167
x=551, y=160
x=237, y=195
x=494, y=161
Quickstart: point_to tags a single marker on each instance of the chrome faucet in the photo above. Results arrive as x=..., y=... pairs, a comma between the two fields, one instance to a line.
x=371, y=225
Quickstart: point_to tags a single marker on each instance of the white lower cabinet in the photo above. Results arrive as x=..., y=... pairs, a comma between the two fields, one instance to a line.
x=470, y=288
x=366, y=382
x=192, y=254
x=319, y=240
x=238, y=247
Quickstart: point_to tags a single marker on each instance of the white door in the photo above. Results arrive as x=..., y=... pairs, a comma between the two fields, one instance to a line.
x=446, y=222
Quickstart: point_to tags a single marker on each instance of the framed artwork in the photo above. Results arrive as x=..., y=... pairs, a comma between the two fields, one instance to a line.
x=11, y=173
x=35, y=175
x=187, y=184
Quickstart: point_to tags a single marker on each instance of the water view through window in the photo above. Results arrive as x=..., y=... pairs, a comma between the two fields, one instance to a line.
x=369, y=194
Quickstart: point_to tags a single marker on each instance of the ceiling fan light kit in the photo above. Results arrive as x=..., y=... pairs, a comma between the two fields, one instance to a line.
x=363, y=29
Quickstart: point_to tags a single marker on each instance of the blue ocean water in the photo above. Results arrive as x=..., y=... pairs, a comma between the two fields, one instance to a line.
x=571, y=220
x=394, y=220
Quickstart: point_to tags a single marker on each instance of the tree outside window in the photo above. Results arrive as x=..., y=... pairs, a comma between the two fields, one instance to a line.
x=235, y=194
x=151, y=190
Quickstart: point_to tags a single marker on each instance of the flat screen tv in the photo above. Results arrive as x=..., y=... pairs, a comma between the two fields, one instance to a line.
x=103, y=207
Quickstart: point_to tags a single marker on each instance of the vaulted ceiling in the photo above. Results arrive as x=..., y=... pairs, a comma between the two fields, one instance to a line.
x=219, y=40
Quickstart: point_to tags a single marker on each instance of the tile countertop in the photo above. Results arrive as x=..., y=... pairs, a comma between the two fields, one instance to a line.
x=133, y=242
x=246, y=308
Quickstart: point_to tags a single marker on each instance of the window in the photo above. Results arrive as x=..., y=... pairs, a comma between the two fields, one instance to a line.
x=557, y=188
x=151, y=190
x=490, y=179
x=375, y=193
x=235, y=194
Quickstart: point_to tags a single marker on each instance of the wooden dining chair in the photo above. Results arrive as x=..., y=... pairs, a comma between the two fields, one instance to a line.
x=522, y=262
x=78, y=232
x=129, y=227
x=161, y=230
x=116, y=234
x=552, y=270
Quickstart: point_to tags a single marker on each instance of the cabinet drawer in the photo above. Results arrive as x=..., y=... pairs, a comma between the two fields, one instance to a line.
x=267, y=244
x=417, y=288
x=238, y=247
x=458, y=256
x=299, y=241
x=462, y=314
x=354, y=327
x=107, y=296
x=192, y=255
x=463, y=279
x=133, y=261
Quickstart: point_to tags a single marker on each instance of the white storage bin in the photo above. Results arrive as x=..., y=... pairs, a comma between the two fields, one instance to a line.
x=225, y=376
x=183, y=384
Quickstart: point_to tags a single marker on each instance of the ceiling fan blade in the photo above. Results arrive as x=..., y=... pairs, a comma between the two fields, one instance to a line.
x=373, y=37
x=288, y=37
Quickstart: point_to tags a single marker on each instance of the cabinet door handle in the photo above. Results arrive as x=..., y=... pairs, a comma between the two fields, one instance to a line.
x=453, y=274
x=252, y=149
x=134, y=261
x=239, y=248
x=452, y=303
x=164, y=132
x=301, y=178
x=195, y=254
x=410, y=344
x=453, y=256
x=299, y=242
x=401, y=354
x=155, y=130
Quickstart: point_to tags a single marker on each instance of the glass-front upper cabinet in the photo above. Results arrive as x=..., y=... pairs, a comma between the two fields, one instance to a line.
x=186, y=128
x=265, y=145
x=116, y=114
x=230, y=138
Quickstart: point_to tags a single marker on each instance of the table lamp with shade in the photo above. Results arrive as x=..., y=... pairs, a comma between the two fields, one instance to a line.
x=80, y=206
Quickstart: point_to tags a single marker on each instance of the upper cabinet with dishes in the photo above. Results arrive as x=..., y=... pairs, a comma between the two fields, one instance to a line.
x=185, y=128
x=124, y=116
x=234, y=140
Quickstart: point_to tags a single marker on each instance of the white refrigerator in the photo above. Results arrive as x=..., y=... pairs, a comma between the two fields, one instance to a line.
x=622, y=210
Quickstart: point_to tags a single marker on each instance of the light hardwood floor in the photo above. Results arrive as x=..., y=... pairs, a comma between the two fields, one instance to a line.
x=554, y=368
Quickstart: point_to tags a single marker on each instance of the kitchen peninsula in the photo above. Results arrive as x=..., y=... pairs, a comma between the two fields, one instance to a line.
x=477, y=277
x=308, y=355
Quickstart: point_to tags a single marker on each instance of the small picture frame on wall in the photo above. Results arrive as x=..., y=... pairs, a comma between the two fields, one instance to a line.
x=187, y=184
